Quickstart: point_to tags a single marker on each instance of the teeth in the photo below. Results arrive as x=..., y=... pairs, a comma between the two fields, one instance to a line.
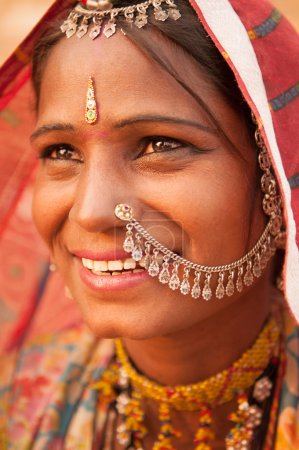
x=88, y=263
x=130, y=263
x=101, y=273
x=115, y=265
x=138, y=270
x=142, y=262
x=100, y=266
x=115, y=273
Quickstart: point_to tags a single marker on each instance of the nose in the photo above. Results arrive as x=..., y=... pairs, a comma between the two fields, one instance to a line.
x=97, y=193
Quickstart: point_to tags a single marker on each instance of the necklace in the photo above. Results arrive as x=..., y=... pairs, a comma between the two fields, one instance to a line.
x=250, y=379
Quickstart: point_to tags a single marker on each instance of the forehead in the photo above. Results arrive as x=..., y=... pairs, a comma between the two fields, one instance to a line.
x=125, y=77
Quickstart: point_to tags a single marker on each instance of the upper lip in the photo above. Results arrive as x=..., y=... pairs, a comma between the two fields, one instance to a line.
x=105, y=255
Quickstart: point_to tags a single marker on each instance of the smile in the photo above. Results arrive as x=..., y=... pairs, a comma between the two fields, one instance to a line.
x=114, y=267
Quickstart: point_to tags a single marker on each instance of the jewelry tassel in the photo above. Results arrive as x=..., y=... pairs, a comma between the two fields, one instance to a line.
x=174, y=282
x=196, y=291
x=129, y=241
x=164, y=276
x=167, y=430
x=141, y=19
x=132, y=428
x=248, y=277
x=246, y=419
x=204, y=434
x=239, y=283
x=220, y=291
x=185, y=286
x=230, y=287
x=83, y=28
x=137, y=250
x=207, y=291
x=96, y=29
x=159, y=13
x=110, y=27
x=154, y=268
x=173, y=12
x=257, y=271
x=147, y=259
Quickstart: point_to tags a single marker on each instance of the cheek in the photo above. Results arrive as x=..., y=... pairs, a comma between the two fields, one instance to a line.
x=50, y=207
x=212, y=205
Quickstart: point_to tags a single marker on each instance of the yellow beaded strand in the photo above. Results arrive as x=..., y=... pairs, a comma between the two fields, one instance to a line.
x=217, y=389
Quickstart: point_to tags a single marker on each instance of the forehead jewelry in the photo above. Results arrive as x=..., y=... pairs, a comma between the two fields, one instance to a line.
x=91, y=114
x=88, y=16
x=208, y=281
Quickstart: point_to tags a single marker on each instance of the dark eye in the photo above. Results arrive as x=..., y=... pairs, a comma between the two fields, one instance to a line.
x=63, y=152
x=161, y=144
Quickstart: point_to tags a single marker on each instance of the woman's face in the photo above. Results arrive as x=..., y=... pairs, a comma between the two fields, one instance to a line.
x=154, y=148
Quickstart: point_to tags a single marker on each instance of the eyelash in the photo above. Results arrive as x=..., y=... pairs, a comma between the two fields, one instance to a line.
x=176, y=145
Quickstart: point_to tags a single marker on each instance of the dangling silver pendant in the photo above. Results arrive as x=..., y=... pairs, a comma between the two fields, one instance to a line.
x=196, y=290
x=239, y=282
x=185, y=286
x=248, y=277
x=230, y=287
x=95, y=31
x=220, y=291
x=110, y=29
x=83, y=28
x=207, y=291
x=129, y=241
x=164, y=275
x=137, y=250
x=174, y=282
x=257, y=270
x=154, y=267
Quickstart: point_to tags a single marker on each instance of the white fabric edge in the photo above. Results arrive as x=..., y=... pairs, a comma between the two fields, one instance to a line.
x=232, y=35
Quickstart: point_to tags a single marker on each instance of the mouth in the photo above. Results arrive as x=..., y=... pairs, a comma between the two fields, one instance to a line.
x=114, y=267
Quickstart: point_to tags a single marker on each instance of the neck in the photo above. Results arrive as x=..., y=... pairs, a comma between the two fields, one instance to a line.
x=209, y=347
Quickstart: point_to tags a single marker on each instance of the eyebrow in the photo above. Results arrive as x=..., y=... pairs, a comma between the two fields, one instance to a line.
x=44, y=129
x=48, y=128
x=164, y=119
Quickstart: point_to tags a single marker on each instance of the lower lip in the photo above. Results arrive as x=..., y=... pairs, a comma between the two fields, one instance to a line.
x=111, y=282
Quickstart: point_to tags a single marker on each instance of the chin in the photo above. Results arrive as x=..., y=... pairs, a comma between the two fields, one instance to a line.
x=138, y=323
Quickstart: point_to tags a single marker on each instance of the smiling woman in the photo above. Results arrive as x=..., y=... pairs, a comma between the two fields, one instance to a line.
x=162, y=192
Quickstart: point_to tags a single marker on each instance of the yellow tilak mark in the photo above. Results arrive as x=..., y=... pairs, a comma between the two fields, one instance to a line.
x=91, y=114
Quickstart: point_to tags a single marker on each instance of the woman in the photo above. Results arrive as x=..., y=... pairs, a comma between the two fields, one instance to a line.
x=166, y=218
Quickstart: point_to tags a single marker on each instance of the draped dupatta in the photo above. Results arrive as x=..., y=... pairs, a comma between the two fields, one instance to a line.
x=262, y=49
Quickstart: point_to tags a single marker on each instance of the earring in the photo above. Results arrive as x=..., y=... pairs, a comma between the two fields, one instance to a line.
x=91, y=114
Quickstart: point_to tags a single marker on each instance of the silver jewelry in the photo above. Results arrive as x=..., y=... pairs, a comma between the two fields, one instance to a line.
x=89, y=16
x=197, y=278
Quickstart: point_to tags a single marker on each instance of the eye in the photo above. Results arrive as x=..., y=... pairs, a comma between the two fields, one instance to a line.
x=63, y=152
x=160, y=144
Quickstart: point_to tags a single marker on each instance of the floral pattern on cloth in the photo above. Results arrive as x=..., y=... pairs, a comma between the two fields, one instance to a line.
x=287, y=437
x=51, y=404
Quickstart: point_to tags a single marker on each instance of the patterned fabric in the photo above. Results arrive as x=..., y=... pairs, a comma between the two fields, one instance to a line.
x=55, y=406
x=46, y=398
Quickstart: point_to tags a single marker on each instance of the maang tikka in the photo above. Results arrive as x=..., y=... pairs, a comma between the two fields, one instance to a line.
x=200, y=280
x=89, y=16
x=91, y=114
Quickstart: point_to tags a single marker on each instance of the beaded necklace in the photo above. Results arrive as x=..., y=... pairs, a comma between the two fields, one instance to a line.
x=247, y=379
